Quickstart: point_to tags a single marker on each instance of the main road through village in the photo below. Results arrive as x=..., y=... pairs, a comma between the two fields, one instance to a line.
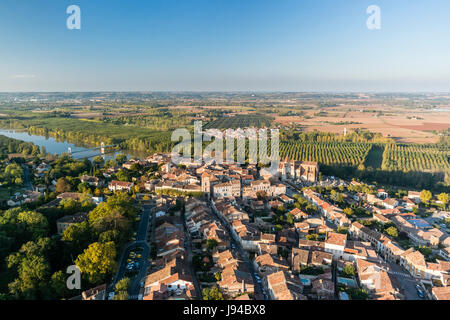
x=140, y=242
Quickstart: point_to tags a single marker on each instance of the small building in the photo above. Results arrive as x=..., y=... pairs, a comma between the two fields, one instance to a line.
x=116, y=185
x=97, y=293
x=66, y=221
x=90, y=180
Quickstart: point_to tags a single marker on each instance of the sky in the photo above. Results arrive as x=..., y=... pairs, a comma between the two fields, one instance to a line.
x=225, y=45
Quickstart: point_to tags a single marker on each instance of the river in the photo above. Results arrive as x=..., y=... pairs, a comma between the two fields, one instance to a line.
x=58, y=147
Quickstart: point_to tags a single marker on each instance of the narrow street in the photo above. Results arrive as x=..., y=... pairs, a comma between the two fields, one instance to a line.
x=26, y=178
x=334, y=279
x=244, y=255
x=406, y=281
x=144, y=262
x=257, y=286
x=189, y=255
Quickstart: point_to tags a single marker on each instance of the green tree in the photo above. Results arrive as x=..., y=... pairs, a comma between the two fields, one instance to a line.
x=290, y=218
x=31, y=269
x=348, y=211
x=392, y=231
x=426, y=196
x=211, y=244
x=36, y=224
x=426, y=251
x=13, y=173
x=97, y=261
x=58, y=283
x=121, y=289
x=70, y=206
x=121, y=158
x=444, y=198
x=313, y=237
x=79, y=235
x=110, y=235
x=358, y=294
x=342, y=230
x=349, y=270
x=213, y=293
x=98, y=161
x=5, y=244
x=84, y=188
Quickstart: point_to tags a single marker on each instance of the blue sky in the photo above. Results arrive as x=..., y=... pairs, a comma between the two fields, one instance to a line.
x=238, y=45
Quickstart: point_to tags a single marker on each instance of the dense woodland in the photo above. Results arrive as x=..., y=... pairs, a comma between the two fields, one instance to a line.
x=33, y=258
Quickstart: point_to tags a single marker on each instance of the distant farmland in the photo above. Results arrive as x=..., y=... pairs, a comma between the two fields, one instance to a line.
x=241, y=121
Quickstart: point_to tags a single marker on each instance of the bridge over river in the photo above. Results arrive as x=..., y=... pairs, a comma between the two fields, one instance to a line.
x=103, y=150
x=55, y=146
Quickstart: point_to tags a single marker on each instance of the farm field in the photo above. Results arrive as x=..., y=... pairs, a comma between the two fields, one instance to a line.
x=415, y=129
x=351, y=154
x=384, y=132
x=240, y=121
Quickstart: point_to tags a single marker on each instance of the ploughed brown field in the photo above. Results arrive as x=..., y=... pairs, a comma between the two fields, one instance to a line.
x=415, y=126
x=428, y=126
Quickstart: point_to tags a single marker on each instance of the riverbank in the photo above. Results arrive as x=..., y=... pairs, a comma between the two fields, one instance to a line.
x=54, y=146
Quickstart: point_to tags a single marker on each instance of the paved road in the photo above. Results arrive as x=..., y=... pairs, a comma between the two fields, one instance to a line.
x=244, y=255
x=406, y=281
x=141, y=240
x=257, y=286
x=26, y=178
x=188, y=248
x=144, y=263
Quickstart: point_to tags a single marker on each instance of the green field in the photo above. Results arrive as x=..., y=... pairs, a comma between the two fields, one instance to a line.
x=416, y=158
x=240, y=121
x=342, y=153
